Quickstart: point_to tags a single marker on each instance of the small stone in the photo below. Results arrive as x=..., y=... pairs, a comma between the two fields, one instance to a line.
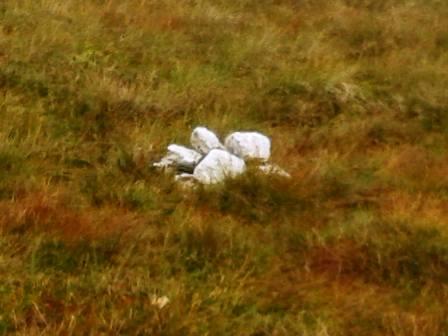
x=186, y=181
x=159, y=301
x=249, y=145
x=273, y=169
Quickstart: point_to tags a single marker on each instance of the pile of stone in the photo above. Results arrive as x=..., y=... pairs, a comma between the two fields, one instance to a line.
x=211, y=162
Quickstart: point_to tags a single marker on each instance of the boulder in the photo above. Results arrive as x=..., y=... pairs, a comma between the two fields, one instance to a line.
x=217, y=166
x=204, y=140
x=249, y=145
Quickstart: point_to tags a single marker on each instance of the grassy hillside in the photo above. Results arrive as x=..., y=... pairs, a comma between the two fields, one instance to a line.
x=353, y=94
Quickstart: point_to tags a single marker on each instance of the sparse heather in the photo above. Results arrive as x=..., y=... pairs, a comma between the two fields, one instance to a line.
x=353, y=93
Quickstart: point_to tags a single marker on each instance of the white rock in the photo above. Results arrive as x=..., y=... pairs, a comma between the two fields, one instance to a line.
x=159, y=301
x=273, y=169
x=186, y=181
x=184, y=177
x=185, y=156
x=249, y=145
x=180, y=157
x=217, y=166
x=204, y=140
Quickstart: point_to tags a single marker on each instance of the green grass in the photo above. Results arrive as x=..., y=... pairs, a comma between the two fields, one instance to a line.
x=353, y=95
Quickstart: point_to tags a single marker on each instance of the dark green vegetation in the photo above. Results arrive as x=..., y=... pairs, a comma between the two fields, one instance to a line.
x=354, y=96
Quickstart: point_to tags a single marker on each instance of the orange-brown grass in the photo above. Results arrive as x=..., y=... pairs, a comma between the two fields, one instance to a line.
x=42, y=212
x=429, y=209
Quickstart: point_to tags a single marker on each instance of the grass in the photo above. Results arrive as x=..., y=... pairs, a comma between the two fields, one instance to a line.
x=353, y=95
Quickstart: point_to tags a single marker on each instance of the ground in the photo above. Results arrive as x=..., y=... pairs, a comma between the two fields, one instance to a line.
x=354, y=97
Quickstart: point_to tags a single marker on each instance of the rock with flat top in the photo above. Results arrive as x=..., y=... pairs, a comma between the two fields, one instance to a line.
x=179, y=157
x=217, y=166
x=249, y=145
x=203, y=140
